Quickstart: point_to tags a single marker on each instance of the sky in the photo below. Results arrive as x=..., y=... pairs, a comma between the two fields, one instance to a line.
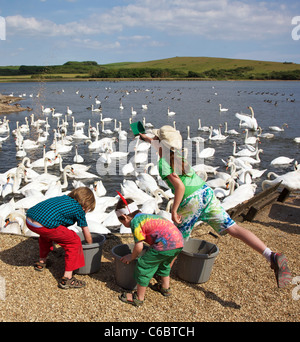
x=51, y=32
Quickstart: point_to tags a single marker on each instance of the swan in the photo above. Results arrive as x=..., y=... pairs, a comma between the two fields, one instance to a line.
x=47, y=110
x=106, y=131
x=153, y=169
x=243, y=153
x=231, y=131
x=194, y=138
x=105, y=157
x=15, y=224
x=222, y=109
x=297, y=139
x=249, y=140
x=290, y=180
x=151, y=206
x=105, y=119
x=77, y=124
x=170, y=113
x=242, y=193
x=13, y=183
x=130, y=189
x=133, y=112
x=117, y=154
x=250, y=121
x=206, y=152
x=218, y=136
x=144, y=106
x=96, y=109
x=147, y=124
x=79, y=134
x=265, y=135
x=121, y=106
x=141, y=146
x=127, y=169
x=202, y=128
x=99, y=189
x=77, y=158
x=278, y=129
x=147, y=183
x=79, y=173
x=69, y=111
x=248, y=160
x=281, y=161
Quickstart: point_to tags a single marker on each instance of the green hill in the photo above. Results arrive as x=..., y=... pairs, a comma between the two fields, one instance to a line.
x=170, y=68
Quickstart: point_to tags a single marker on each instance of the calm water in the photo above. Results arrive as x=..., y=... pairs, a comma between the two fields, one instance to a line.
x=274, y=103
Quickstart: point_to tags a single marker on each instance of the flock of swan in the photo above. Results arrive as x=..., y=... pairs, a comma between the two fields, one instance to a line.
x=31, y=182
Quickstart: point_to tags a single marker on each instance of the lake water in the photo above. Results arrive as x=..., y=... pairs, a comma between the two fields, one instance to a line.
x=274, y=103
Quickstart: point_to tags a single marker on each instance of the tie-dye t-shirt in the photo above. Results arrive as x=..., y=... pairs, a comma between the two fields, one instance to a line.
x=157, y=231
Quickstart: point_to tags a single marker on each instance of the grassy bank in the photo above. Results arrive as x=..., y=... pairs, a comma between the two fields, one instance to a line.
x=203, y=68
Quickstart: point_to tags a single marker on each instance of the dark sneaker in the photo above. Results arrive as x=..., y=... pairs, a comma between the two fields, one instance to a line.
x=280, y=267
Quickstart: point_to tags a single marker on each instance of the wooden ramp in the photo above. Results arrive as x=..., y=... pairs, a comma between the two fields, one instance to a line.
x=249, y=209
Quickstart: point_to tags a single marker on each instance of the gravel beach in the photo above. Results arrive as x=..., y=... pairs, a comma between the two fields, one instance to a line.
x=242, y=286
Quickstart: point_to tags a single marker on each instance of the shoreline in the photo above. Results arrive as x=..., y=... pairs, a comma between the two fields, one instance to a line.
x=8, y=105
x=21, y=80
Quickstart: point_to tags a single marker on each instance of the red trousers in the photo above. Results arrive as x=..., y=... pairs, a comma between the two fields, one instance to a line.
x=66, y=238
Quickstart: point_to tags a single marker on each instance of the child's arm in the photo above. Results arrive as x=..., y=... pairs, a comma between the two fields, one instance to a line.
x=138, y=247
x=178, y=195
x=87, y=235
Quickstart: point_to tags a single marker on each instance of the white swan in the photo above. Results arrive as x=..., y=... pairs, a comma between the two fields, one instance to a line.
x=250, y=121
x=105, y=119
x=290, y=180
x=69, y=112
x=244, y=152
x=249, y=140
x=218, y=136
x=231, y=131
x=106, y=131
x=99, y=189
x=205, y=153
x=194, y=138
x=77, y=158
x=170, y=113
x=222, y=109
x=264, y=135
x=278, y=129
x=242, y=193
x=281, y=161
x=202, y=128
x=133, y=112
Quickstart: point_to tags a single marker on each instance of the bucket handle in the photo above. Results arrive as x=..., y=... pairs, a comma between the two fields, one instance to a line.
x=216, y=237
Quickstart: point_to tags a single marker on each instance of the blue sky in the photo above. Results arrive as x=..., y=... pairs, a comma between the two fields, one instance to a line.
x=48, y=32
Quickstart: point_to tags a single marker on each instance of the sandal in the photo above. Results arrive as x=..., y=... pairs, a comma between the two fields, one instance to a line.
x=158, y=287
x=39, y=266
x=135, y=301
x=72, y=283
x=280, y=267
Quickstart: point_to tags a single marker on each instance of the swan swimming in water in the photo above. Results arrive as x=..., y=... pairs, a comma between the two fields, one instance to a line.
x=250, y=121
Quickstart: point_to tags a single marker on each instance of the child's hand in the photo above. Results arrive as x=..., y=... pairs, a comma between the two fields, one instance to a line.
x=126, y=259
x=176, y=217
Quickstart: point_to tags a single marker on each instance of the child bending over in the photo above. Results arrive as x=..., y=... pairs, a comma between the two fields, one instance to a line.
x=50, y=219
x=165, y=242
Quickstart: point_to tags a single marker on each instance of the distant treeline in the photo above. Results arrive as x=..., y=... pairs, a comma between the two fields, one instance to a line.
x=91, y=69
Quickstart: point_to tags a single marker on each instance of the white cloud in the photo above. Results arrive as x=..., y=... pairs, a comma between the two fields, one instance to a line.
x=213, y=19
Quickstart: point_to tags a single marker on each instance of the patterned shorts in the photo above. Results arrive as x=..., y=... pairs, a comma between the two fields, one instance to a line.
x=202, y=205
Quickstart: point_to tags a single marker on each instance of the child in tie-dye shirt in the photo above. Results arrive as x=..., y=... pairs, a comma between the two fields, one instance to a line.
x=165, y=241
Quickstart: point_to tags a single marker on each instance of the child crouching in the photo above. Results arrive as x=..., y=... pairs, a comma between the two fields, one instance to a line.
x=165, y=242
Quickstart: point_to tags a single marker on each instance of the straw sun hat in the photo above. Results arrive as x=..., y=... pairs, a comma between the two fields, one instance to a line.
x=169, y=136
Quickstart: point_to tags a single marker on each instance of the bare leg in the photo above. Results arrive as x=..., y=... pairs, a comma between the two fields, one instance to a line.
x=247, y=237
